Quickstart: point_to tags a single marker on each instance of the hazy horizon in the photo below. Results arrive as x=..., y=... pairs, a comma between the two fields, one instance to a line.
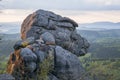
x=82, y=11
x=18, y=15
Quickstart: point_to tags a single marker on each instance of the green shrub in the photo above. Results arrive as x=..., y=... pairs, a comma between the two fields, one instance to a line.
x=45, y=67
x=3, y=64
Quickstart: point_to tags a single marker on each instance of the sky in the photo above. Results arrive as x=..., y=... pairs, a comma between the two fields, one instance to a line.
x=82, y=11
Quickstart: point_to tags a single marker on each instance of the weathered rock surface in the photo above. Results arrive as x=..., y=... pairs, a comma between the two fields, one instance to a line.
x=6, y=77
x=51, y=46
x=62, y=29
x=68, y=66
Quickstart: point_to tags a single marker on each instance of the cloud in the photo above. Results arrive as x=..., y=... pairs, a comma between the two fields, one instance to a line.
x=63, y=4
x=103, y=2
x=17, y=15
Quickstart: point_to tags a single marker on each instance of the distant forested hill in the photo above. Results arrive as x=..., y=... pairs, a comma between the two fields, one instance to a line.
x=6, y=43
x=93, y=35
x=104, y=43
x=100, y=26
x=103, y=59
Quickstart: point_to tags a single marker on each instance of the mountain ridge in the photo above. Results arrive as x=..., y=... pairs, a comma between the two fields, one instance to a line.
x=99, y=26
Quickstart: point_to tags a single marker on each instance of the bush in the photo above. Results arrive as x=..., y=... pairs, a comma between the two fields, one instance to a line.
x=99, y=69
x=45, y=67
x=3, y=64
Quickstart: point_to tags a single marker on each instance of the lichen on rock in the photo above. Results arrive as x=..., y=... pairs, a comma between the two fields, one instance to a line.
x=50, y=48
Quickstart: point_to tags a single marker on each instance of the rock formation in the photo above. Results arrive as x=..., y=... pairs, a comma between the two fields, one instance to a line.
x=49, y=49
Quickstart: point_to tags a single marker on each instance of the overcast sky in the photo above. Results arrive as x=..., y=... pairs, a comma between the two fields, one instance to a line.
x=63, y=4
x=82, y=11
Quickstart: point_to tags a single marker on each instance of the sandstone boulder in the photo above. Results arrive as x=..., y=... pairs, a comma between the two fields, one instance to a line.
x=49, y=49
x=57, y=29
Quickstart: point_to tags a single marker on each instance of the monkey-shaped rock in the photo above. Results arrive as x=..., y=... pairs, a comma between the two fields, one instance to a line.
x=51, y=46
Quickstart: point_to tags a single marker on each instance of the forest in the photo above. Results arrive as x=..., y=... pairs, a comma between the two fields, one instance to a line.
x=101, y=63
x=103, y=60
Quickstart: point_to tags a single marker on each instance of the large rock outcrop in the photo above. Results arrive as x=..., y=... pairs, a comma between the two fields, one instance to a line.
x=49, y=49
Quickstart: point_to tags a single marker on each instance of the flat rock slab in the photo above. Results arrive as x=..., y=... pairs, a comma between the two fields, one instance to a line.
x=6, y=77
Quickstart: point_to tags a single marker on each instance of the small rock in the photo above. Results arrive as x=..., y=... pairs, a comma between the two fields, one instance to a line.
x=48, y=38
x=28, y=55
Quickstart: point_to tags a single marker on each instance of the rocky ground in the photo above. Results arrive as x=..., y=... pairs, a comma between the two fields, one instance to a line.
x=6, y=77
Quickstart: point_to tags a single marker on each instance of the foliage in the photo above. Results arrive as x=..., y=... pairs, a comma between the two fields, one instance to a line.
x=104, y=44
x=106, y=48
x=45, y=67
x=6, y=47
x=99, y=69
x=3, y=64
